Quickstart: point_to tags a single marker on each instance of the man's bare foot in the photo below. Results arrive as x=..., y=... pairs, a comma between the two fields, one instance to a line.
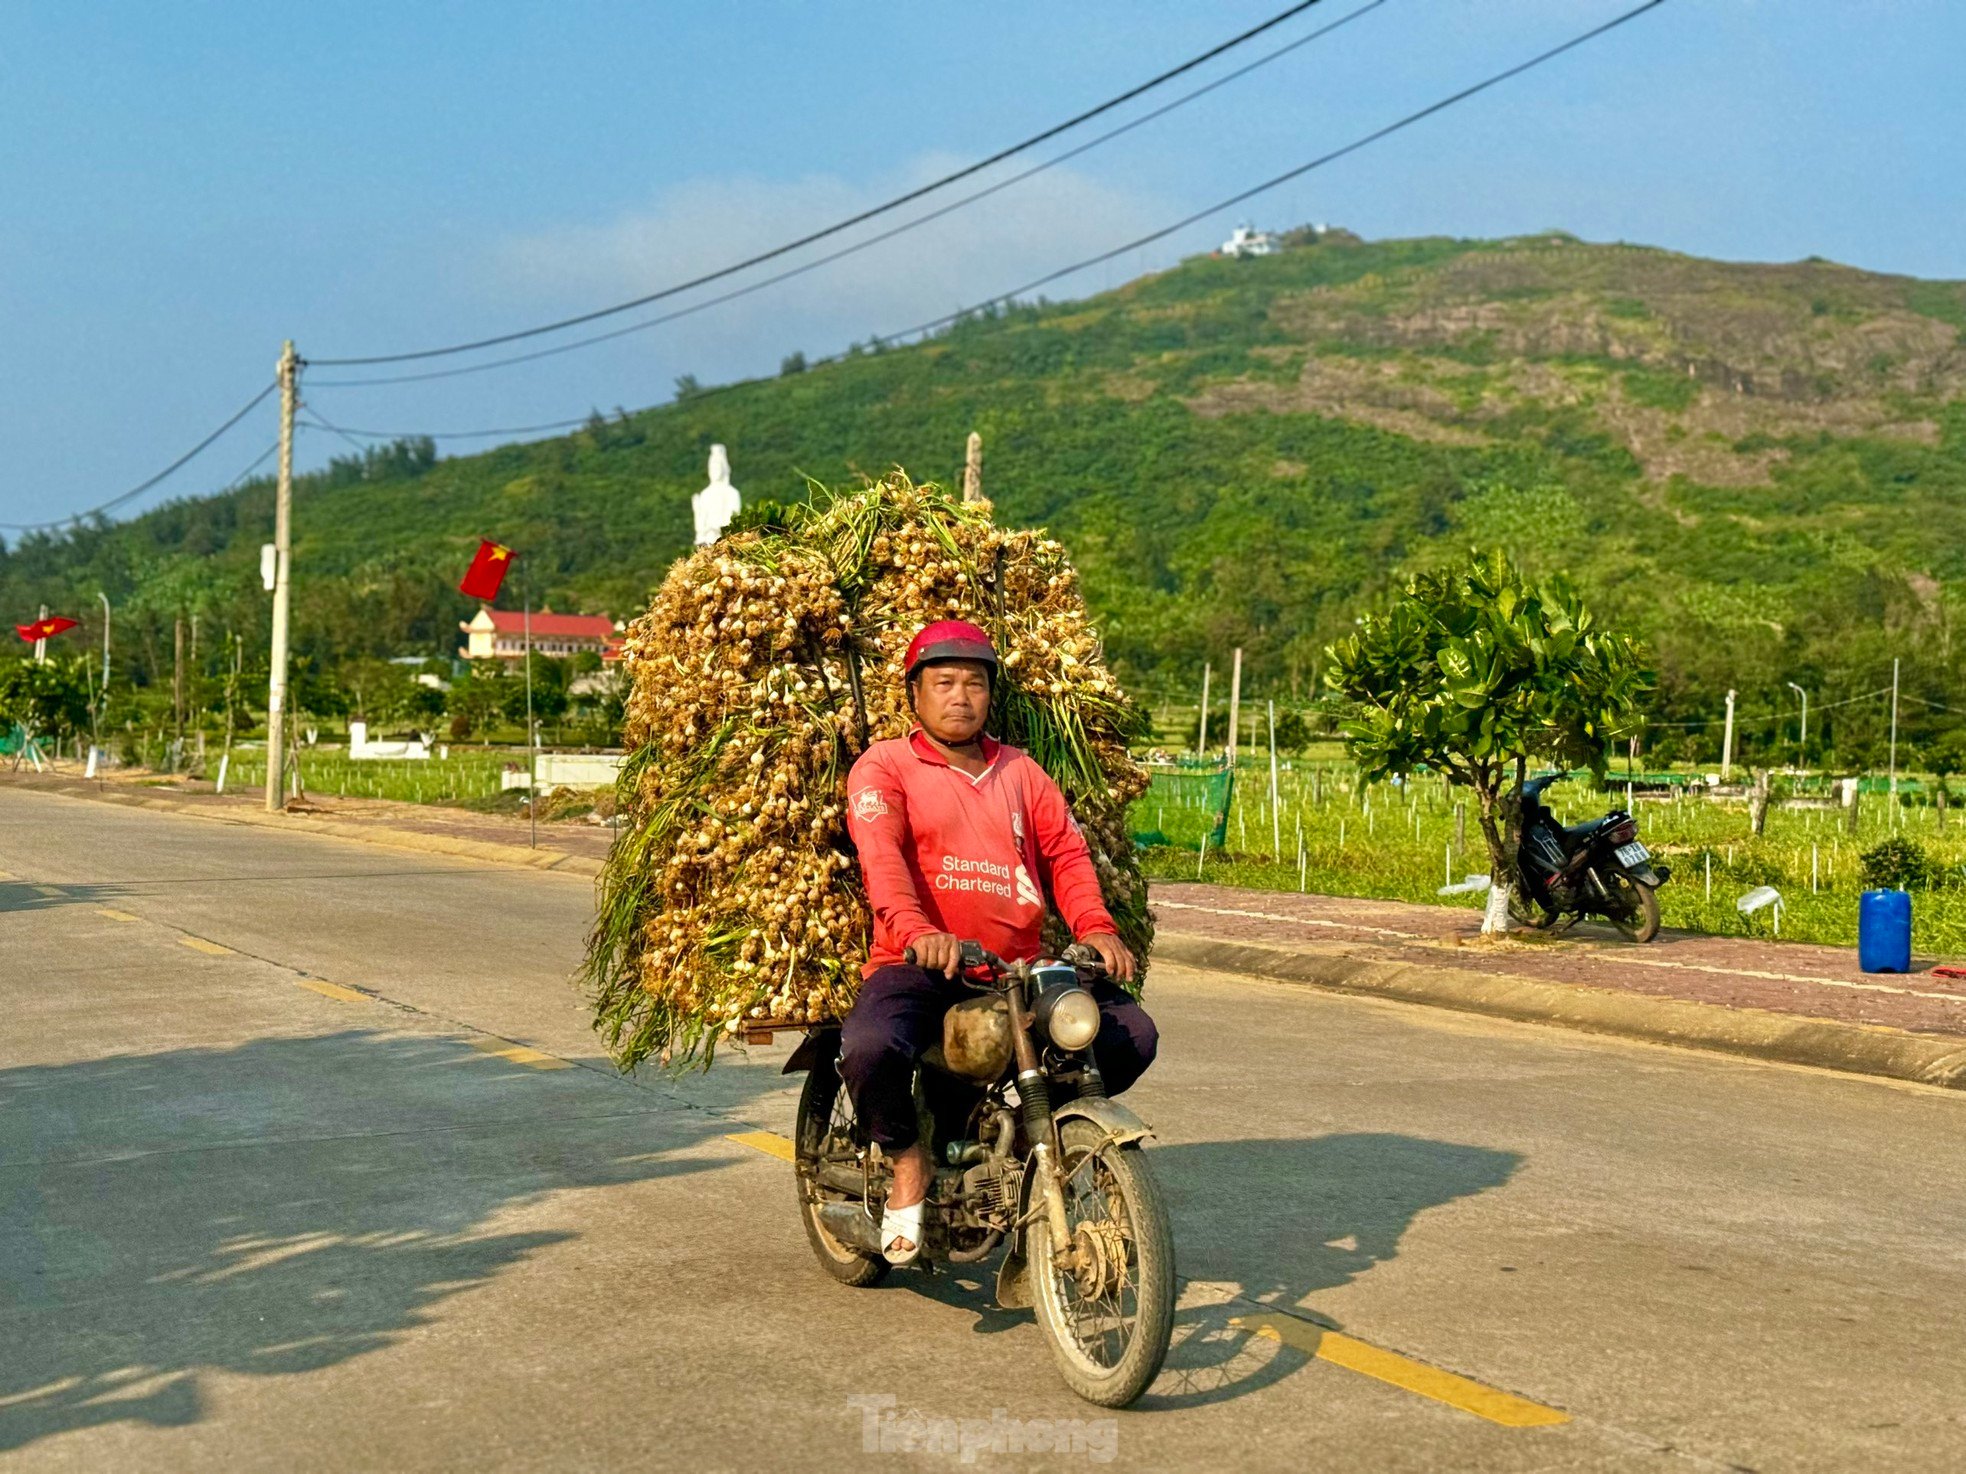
x=911, y=1178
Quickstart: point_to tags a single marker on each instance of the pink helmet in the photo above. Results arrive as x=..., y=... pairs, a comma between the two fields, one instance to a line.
x=950, y=639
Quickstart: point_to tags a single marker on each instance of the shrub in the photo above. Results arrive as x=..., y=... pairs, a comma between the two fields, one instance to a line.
x=1898, y=864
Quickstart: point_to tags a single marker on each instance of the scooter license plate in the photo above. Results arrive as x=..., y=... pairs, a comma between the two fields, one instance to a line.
x=1633, y=853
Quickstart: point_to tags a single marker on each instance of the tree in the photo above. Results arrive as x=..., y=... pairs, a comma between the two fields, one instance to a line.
x=1293, y=732
x=687, y=387
x=48, y=699
x=792, y=363
x=1471, y=672
x=474, y=699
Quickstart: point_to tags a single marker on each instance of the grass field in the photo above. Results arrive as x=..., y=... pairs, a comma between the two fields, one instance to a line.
x=1327, y=835
x=466, y=775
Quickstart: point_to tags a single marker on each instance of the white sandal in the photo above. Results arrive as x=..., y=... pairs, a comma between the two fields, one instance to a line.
x=902, y=1223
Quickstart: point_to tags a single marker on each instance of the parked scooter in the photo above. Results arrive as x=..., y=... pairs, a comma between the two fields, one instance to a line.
x=1595, y=869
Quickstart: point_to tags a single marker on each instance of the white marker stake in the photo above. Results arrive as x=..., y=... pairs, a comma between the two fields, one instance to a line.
x=224, y=762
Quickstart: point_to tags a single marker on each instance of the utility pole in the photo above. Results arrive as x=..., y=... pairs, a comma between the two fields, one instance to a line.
x=105, y=643
x=41, y=645
x=1235, y=703
x=1894, y=742
x=1802, y=742
x=1201, y=739
x=283, y=511
x=177, y=692
x=1276, y=808
x=532, y=738
x=1727, y=742
x=973, y=468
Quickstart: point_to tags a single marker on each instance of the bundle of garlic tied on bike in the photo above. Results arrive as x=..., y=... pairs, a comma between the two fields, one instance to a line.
x=764, y=666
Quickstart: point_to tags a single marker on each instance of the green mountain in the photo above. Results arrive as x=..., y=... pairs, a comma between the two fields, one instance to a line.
x=1761, y=468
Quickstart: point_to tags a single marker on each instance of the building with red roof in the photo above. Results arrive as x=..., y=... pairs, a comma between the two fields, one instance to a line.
x=500, y=634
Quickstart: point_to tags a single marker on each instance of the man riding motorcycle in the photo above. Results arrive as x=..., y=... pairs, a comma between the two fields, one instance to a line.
x=960, y=837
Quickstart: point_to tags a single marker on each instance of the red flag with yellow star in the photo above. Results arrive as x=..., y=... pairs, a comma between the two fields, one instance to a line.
x=41, y=629
x=487, y=572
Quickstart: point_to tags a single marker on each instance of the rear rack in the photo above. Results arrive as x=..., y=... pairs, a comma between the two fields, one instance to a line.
x=760, y=1030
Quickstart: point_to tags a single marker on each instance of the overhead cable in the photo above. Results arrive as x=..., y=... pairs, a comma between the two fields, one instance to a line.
x=139, y=489
x=857, y=246
x=834, y=229
x=1284, y=178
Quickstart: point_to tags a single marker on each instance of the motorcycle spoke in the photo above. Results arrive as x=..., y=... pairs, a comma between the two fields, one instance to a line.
x=1109, y=1317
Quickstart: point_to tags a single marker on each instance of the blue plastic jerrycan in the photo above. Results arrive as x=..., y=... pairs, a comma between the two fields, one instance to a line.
x=1884, y=931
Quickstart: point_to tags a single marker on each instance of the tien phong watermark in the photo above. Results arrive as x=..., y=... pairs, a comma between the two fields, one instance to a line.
x=886, y=1428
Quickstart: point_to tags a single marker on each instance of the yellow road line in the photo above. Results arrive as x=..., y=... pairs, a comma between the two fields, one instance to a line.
x=1403, y=1372
x=768, y=1142
x=114, y=915
x=520, y=1054
x=210, y=949
x=332, y=990
x=1341, y=1350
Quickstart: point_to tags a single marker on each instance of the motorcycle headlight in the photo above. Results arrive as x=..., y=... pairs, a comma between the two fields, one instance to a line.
x=1071, y=1018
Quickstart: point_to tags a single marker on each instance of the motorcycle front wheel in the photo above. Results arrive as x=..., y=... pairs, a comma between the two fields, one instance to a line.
x=1109, y=1319
x=1638, y=915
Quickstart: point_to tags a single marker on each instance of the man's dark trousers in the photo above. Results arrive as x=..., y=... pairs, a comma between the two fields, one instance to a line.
x=898, y=1015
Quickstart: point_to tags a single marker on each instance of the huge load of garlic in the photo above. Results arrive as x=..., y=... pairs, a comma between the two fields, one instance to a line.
x=764, y=666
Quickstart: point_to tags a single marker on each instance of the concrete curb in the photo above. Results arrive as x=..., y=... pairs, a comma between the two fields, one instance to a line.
x=1863, y=1049
x=490, y=851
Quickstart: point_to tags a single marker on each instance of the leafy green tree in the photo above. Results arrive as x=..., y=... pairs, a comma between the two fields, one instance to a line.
x=50, y=699
x=1293, y=732
x=1472, y=671
x=792, y=363
x=474, y=699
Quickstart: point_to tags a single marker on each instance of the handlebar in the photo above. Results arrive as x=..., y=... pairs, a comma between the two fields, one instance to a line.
x=975, y=957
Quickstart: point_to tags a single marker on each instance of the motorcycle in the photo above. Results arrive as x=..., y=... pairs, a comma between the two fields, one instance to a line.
x=1595, y=869
x=1027, y=1150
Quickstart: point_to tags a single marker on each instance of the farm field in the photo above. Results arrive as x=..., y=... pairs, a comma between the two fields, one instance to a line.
x=1388, y=841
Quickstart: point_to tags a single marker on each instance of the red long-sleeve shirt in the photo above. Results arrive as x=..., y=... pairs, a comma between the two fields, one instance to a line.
x=941, y=851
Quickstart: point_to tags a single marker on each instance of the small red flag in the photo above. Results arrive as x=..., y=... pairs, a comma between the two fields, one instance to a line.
x=487, y=572
x=41, y=629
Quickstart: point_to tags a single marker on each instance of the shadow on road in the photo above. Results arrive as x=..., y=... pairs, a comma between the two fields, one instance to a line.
x=277, y=1207
x=1277, y=1221
x=1271, y=1222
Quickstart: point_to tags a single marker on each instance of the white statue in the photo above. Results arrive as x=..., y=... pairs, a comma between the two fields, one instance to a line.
x=717, y=503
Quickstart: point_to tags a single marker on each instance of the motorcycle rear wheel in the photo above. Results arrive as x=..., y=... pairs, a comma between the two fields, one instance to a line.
x=1640, y=921
x=1109, y=1340
x=826, y=1125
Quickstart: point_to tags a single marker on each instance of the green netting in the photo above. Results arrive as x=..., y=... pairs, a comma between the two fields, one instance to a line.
x=1185, y=804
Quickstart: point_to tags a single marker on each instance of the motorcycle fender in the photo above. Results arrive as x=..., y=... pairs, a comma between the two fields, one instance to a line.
x=1646, y=875
x=817, y=1045
x=1122, y=1127
x=1120, y=1124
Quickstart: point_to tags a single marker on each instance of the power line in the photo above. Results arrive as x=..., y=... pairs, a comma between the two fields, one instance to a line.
x=1003, y=297
x=881, y=209
x=447, y=434
x=858, y=246
x=1289, y=174
x=138, y=490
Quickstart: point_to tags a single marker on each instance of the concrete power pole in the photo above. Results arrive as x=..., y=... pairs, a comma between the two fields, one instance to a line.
x=1235, y=703
x=1894, y=743
x=283, y=510
x=1727, y=741
x=973, y=469
x=1201, y=737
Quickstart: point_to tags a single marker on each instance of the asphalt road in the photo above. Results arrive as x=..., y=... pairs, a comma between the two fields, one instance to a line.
x=251, y=1217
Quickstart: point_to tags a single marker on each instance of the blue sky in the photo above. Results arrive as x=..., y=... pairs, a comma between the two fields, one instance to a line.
x=185, y=185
